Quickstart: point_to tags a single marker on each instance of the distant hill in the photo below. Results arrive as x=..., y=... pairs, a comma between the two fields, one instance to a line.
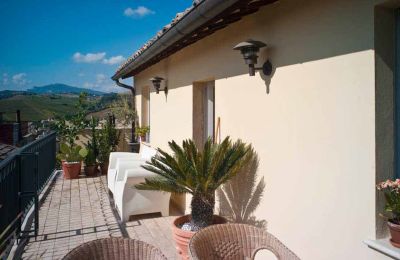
x=59, y=88
x=10, y=93
x=35, y=107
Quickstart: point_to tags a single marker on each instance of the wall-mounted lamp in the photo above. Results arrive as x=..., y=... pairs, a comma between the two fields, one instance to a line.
x=157, y=84
x=249, y=50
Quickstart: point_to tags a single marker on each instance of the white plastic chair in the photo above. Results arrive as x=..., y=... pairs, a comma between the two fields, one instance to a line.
x=145, y=153
x=127, y=173
x=130, y=201
x=111, y=172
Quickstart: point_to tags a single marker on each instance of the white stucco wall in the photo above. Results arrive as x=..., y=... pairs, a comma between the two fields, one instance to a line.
x=314, y=131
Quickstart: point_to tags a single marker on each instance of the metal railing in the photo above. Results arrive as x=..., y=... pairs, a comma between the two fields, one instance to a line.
x=23, y=175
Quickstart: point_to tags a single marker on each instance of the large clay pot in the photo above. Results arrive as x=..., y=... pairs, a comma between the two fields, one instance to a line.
x=395, y=233
x=71, y=170
x=182, y=237
x=91, y=170
x=104, y=168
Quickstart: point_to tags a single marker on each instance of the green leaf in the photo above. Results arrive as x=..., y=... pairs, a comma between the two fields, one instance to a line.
x=83, y=152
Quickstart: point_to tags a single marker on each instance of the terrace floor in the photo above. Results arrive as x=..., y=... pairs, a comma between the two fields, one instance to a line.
x=80, y=210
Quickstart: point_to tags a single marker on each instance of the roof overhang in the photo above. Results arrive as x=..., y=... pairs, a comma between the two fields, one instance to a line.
x=205, y=18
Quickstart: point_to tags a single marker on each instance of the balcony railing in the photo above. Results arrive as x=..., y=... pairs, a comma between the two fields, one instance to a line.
x=23, y=175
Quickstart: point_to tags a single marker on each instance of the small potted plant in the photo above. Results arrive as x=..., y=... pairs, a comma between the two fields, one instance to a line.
x=197, y=172
x=141, y=132
x=71, y=157
x=391, y=191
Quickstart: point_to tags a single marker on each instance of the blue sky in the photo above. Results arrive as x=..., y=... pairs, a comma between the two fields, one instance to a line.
x=76, y=42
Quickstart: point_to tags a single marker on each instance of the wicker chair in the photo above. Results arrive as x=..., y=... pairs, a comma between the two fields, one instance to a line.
x=235, y=242
x=115, y=249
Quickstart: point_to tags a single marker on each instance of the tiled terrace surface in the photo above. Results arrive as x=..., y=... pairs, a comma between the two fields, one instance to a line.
x=77, y=211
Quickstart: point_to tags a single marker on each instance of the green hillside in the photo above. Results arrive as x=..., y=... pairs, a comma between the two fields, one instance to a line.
x=37, y=107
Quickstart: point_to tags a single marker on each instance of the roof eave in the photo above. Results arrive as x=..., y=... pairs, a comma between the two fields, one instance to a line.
x=202, y=20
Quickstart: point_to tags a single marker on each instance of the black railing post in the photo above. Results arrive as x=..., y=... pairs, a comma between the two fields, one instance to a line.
x=19, y=178
x=37, y=192
x=18, y=119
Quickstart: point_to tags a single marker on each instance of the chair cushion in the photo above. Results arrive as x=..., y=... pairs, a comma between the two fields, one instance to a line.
x=139, y=173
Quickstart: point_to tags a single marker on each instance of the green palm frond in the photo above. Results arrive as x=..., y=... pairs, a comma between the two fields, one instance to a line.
x=193, y=170
x=160, y=184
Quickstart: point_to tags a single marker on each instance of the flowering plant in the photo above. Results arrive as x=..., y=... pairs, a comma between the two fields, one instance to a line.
x=391, y=190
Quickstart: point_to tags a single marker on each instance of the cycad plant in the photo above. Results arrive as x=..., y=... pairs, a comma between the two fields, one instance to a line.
x=194, y=171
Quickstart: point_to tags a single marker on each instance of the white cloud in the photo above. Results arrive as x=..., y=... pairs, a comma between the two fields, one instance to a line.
x=140, y=11
x=101, y=82
x=114, y=60
x=19, y=79
x=89, y=57
x=95, y=58
x=100, y=78
x=81, y=74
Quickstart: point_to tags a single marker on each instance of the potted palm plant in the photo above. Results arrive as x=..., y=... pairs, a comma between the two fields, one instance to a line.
x=199, y=173
x=71, y=157
x=391, y=191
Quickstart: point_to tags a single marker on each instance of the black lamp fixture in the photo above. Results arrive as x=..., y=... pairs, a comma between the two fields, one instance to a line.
x=249, y=50
x=157, y=84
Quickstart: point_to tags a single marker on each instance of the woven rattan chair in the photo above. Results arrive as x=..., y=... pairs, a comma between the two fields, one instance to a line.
x=235, y=242
x=115, y=249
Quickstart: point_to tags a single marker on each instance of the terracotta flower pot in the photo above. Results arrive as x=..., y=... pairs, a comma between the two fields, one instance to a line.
x=104, y=168
x=91, y=170
x=395, y=233
x=71, y=170
x=182, y=237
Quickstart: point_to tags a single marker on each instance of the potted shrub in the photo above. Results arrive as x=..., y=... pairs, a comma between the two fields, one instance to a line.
x=108, y=142
x=71, y=158
x=197, y=172
x=92, y=148
x=70, y=126
x=90, y=161
x=391, y=191
x=141, y=132
x=104, y=154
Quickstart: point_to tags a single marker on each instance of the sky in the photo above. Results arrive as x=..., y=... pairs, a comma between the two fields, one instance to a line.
x=76, y=42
